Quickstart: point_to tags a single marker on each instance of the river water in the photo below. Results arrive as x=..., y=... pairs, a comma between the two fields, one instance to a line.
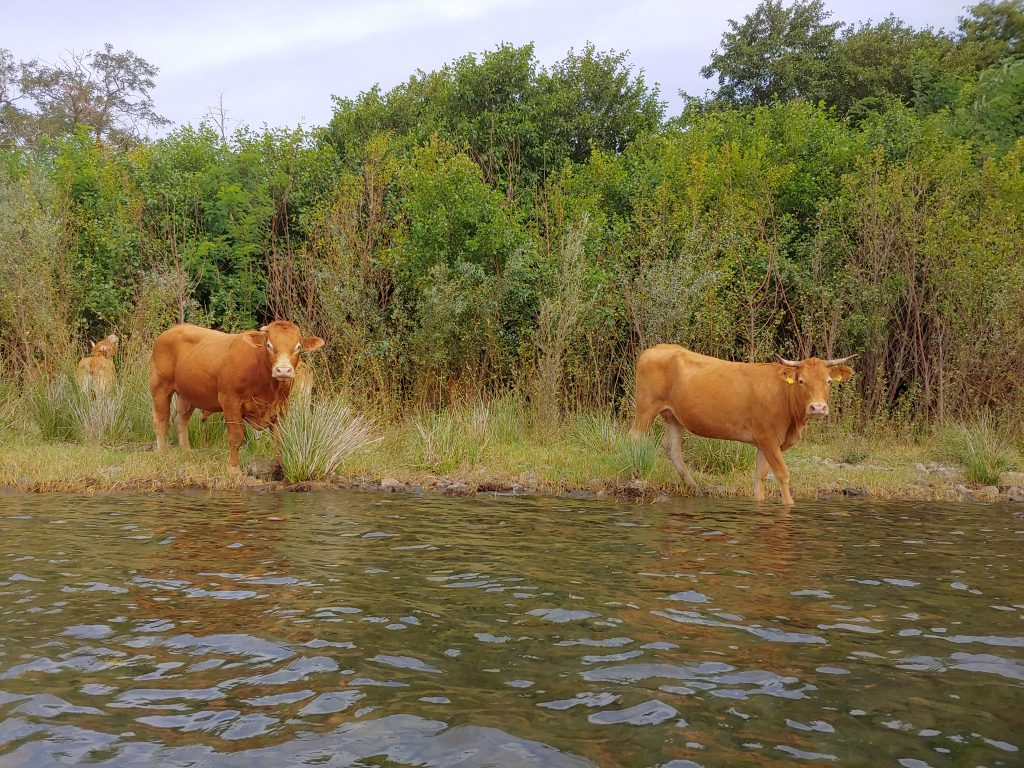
x=351, y=629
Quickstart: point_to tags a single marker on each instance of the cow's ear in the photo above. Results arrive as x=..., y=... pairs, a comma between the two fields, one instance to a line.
x=312, y=343
x=840, y=372
x=788, y=374
x=254, y=338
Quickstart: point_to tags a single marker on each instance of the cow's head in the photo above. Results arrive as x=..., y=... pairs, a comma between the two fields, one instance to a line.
x=104, y=348
x=812, y=378
x=283, y=341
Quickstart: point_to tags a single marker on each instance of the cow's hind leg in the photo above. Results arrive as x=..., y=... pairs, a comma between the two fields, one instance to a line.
x=761, y=469
x=646, y=413
x=674, y=445
x=182, y=413
x=161, y=411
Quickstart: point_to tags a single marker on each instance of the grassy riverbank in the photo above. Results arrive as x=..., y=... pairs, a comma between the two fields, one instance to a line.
x=503, y=447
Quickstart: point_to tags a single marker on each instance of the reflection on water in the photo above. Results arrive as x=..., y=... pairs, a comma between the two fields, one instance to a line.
x=356, y=630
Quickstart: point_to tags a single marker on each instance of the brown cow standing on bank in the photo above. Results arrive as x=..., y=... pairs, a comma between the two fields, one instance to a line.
x=247, y=375
x=764, y=404
x=95, y=373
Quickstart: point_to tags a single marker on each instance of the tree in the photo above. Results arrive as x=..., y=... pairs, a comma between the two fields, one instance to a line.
x=996, y=29
x=877, y=65
x=595, y=101
x=776, y=52
x=108, y=91
x=517, y=120
x=998, y=109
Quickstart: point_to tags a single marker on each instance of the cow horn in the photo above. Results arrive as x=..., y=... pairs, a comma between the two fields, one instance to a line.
x=839, y=360
x=790, y=363
x=263, y=328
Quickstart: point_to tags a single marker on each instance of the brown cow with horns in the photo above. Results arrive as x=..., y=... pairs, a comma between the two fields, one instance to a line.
x=247, y=375
x=764, y=404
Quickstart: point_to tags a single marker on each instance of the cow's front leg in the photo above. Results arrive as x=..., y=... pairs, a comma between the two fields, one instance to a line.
x=778, y=464
x=235, y=428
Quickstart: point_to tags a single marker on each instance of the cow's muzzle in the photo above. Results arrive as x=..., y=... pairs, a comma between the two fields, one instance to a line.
x=282, y=372
x=817, y=410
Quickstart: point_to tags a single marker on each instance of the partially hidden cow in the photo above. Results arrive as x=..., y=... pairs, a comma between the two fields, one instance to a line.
x=247, y=376
x=764, y=404
x=95, y=373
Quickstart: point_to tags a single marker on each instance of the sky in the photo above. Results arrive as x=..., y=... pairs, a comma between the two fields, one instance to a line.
x=279, y=63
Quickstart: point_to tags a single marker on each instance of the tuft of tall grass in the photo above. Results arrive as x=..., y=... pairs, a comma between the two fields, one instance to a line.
x=637, y=455
x=64, y=414
x=10, y=407
x=55, y=404
x=595, y=433
x=983, y=450
x=315, y=437
x=446, y=442
x=102, y=420
x=602, y=435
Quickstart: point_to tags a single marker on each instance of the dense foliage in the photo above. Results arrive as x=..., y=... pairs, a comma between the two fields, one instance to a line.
x=500, y=224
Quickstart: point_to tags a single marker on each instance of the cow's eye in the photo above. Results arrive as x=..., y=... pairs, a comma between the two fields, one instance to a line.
x=270, y=346
x=801, y=381
x=298, y=347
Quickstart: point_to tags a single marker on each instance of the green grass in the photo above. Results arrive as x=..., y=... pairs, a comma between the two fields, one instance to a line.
x=57, y=440
x=981, y=449
x=717, y=457
x=607, y=440
x=62, y=413
x=55, y=406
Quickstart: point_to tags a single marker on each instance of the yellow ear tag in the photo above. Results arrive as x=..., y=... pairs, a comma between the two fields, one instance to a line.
x=790, y=380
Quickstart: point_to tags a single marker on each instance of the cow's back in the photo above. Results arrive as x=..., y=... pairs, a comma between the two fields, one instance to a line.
x=710, y=397
x=188, y=359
